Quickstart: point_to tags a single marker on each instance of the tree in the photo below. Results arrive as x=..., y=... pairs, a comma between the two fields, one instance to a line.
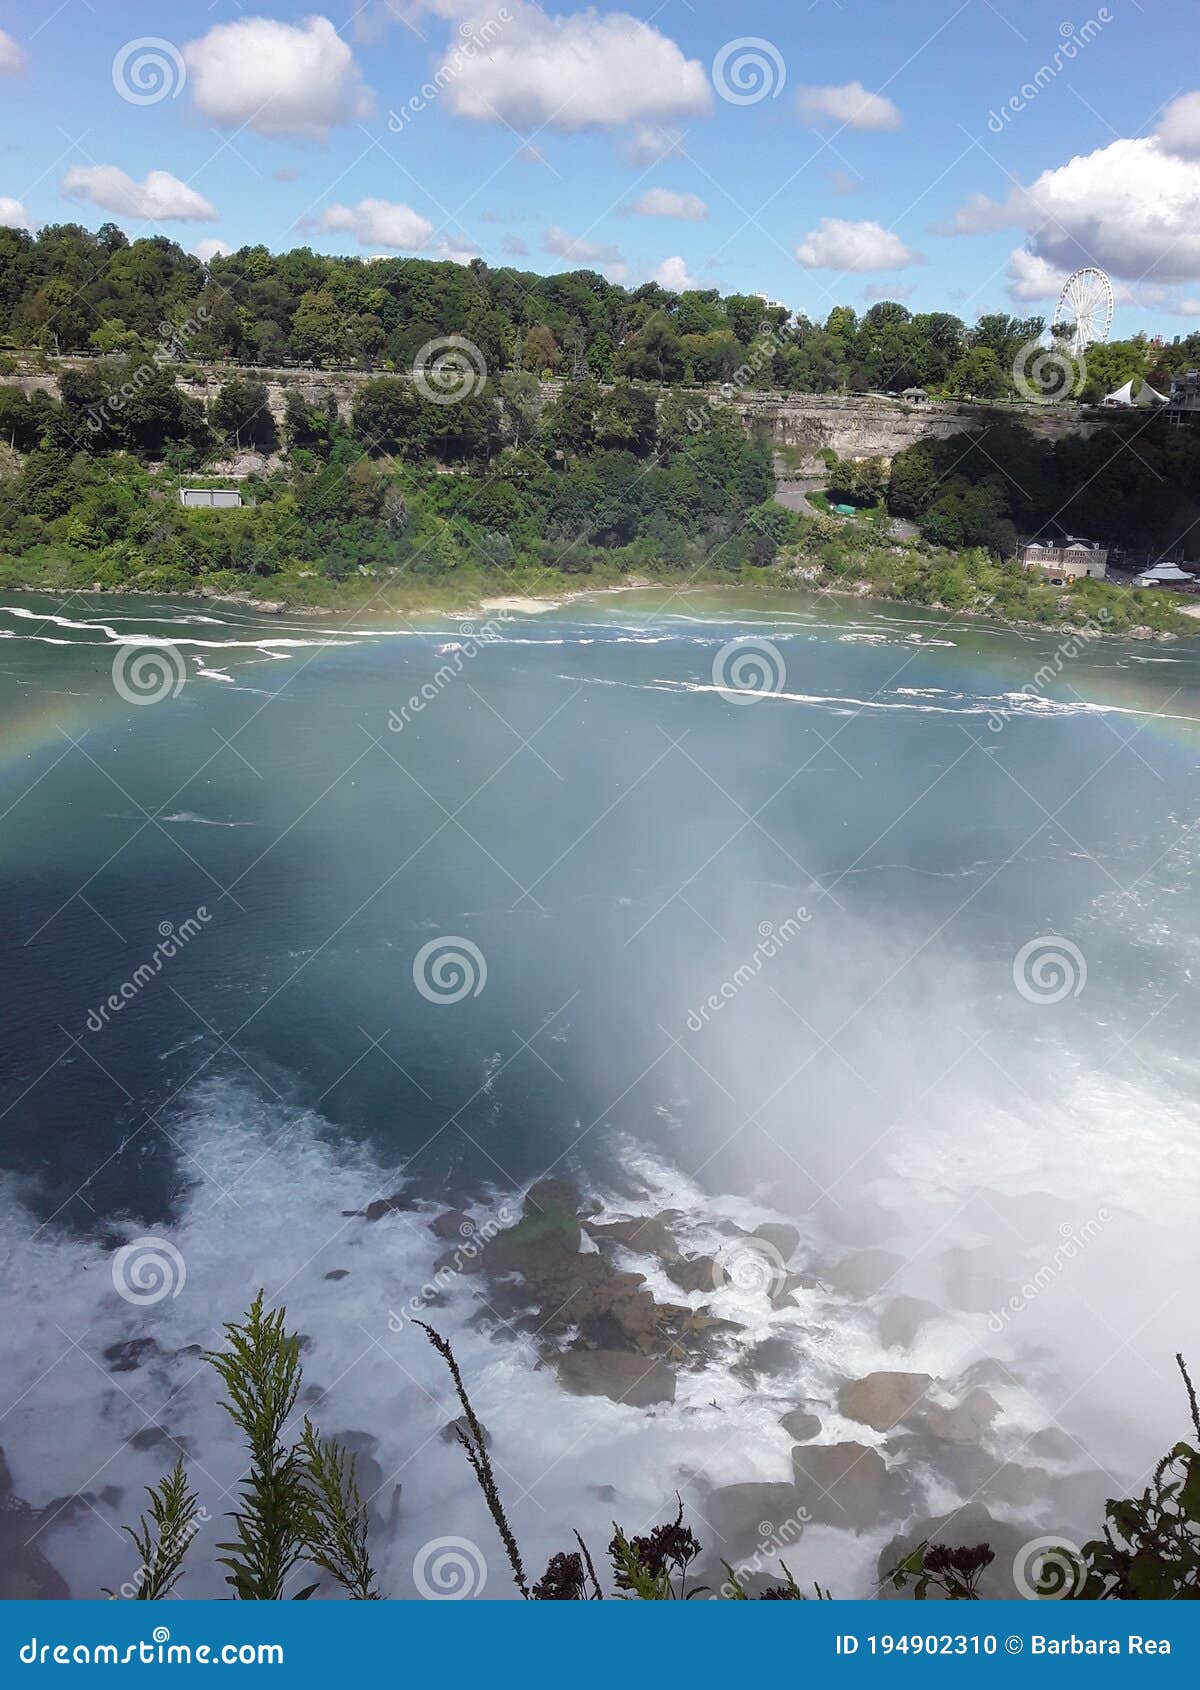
x=241, y=413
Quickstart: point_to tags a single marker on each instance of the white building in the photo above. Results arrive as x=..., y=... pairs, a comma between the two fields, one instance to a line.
x=1162, y=575
x=210, y=498
x=1066, y=560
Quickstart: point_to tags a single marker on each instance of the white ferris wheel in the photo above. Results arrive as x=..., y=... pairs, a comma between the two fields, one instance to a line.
x=1085, y=306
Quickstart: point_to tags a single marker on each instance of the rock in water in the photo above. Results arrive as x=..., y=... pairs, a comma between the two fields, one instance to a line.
x=880, y=1400
x=623, y=1375
x=841, y=1484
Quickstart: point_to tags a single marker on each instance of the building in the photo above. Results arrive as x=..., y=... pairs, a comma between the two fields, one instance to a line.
x=1183, y=403
x=1145, y=397
x=210, y=498
x=1063, y=561
x=1165, y=575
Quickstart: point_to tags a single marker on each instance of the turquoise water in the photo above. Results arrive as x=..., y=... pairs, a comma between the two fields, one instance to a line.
x=732, y=948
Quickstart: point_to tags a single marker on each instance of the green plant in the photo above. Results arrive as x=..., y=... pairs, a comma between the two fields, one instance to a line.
x=162, y=1540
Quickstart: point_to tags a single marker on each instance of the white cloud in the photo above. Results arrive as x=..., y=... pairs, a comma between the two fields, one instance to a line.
x=850, y=104
x=277, y=78
x=1131, y=207
x=1031, y=277
x=891, y=290
x=664, y=202
x=515, y=246
x=580, y=70
x=13, y=215
x=651, y=144
x=204, y=250
x=379, y=223
x=1188, y=308
x=836, y=244
x=586, y=255
x=161, y=198
x=1179, y=131
x=12, y=56
x=842, y=182
x=672, y=274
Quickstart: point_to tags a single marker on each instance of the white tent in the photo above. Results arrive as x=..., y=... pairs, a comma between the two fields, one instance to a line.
x=1147, y=395
x=1161, y=575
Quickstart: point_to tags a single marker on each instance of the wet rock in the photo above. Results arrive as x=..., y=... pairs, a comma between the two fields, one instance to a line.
x=1053, y=1444
x=648, y=1235
x=154, y=1437
x=368, y=1473
x=450, y=1431
x=962, y=1529
x=130, y=1353
x=844, y=1484
x=452, y=1226
x=625, y=1377
x=881, y=1400
x=547, y=1194
x=782, y=1238
x=742, y=1517
x=801, y=1424
x=978, y=1280
x=603, y=1493
x=903, y=1319
x=338, y=1273
x=696, y=1273
x=865, y=1272
x=964, y=1423
x=774, y=1357
x=398, y=1203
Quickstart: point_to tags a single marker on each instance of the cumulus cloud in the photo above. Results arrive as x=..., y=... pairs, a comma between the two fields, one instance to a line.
x=379, y=223
x=584, y=254
x=672, y=274
x=161, y=198
x=664, y=202
x=582, y=70
x=12, y=55
x=879, y=291
x=1131, y=207
x=848, y=103
x=836, y=244
x=204, y=250
x=515, y=246
x=652, y=143
x=277, y=78
x=13, y=215
x=1179, y=131
x=1031, y=277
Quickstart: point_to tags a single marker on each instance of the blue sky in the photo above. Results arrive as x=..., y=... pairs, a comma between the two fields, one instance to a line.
x=863, y=135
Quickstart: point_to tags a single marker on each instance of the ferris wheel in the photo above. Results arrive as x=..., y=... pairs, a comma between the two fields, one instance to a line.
x=1085, y=305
